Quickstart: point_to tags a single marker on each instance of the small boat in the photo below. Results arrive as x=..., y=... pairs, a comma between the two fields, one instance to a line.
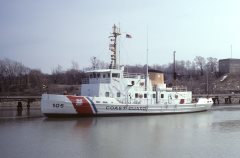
x=113, y=91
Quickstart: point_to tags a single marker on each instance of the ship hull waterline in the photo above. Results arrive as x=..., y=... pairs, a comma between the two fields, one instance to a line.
x=68, y=105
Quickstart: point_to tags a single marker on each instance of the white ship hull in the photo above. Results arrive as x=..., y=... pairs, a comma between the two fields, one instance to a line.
x=88, y=106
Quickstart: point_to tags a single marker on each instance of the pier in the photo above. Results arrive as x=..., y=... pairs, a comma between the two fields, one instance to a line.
x=20, y=99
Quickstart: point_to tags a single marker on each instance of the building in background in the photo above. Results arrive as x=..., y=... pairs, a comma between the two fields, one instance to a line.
x=231, y=66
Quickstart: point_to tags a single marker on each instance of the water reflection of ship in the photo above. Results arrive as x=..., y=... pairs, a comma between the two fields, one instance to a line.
x=85, y=122
x=77, y=122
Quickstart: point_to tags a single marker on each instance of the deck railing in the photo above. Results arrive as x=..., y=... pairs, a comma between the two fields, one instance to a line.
x=95, y=80
x=179, y=88
x=133, y=75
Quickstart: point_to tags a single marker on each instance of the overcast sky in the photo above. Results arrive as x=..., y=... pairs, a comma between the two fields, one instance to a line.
x=46, y=33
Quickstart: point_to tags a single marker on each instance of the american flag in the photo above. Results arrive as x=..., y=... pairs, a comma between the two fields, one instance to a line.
x=128, y=36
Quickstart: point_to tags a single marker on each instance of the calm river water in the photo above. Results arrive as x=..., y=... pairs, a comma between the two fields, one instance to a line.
x=212, y=134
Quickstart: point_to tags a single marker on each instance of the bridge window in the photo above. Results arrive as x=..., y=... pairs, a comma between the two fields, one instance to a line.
x=108, y=75
x=162, y=95
x=136, y=95
x=117, y=75
x=154, y=95
x=145, y=95
x=98, y=75
x=118, y=94
x=107, y=94
x=104, y=76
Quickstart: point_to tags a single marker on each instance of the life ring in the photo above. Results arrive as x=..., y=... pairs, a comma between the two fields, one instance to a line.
x=140, y=95
x=176, y=96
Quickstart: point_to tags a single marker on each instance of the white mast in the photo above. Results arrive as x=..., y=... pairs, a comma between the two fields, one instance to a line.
x=174, y=69
x=146, y=79
x=113, y=47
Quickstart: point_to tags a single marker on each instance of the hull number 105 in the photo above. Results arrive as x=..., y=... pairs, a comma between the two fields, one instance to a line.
x=58, y=105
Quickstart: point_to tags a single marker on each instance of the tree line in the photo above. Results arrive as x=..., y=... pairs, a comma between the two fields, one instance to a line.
x=17, y=79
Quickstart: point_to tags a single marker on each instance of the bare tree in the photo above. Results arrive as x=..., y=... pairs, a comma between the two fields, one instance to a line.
x=57, y=70
x=97, y=64
x=212, y=64
x=57, y=75
x=12, y=75
x=35, y=78
x=200, y=62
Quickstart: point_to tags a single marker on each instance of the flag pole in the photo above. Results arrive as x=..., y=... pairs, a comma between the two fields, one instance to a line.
x=146, y=79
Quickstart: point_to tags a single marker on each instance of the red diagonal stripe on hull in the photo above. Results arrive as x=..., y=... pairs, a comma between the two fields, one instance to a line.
x=81, y=104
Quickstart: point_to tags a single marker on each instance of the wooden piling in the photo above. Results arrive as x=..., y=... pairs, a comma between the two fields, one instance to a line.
x=19, y=106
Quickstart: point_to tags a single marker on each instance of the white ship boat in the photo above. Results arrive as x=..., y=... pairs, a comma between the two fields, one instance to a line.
x=114, y=92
